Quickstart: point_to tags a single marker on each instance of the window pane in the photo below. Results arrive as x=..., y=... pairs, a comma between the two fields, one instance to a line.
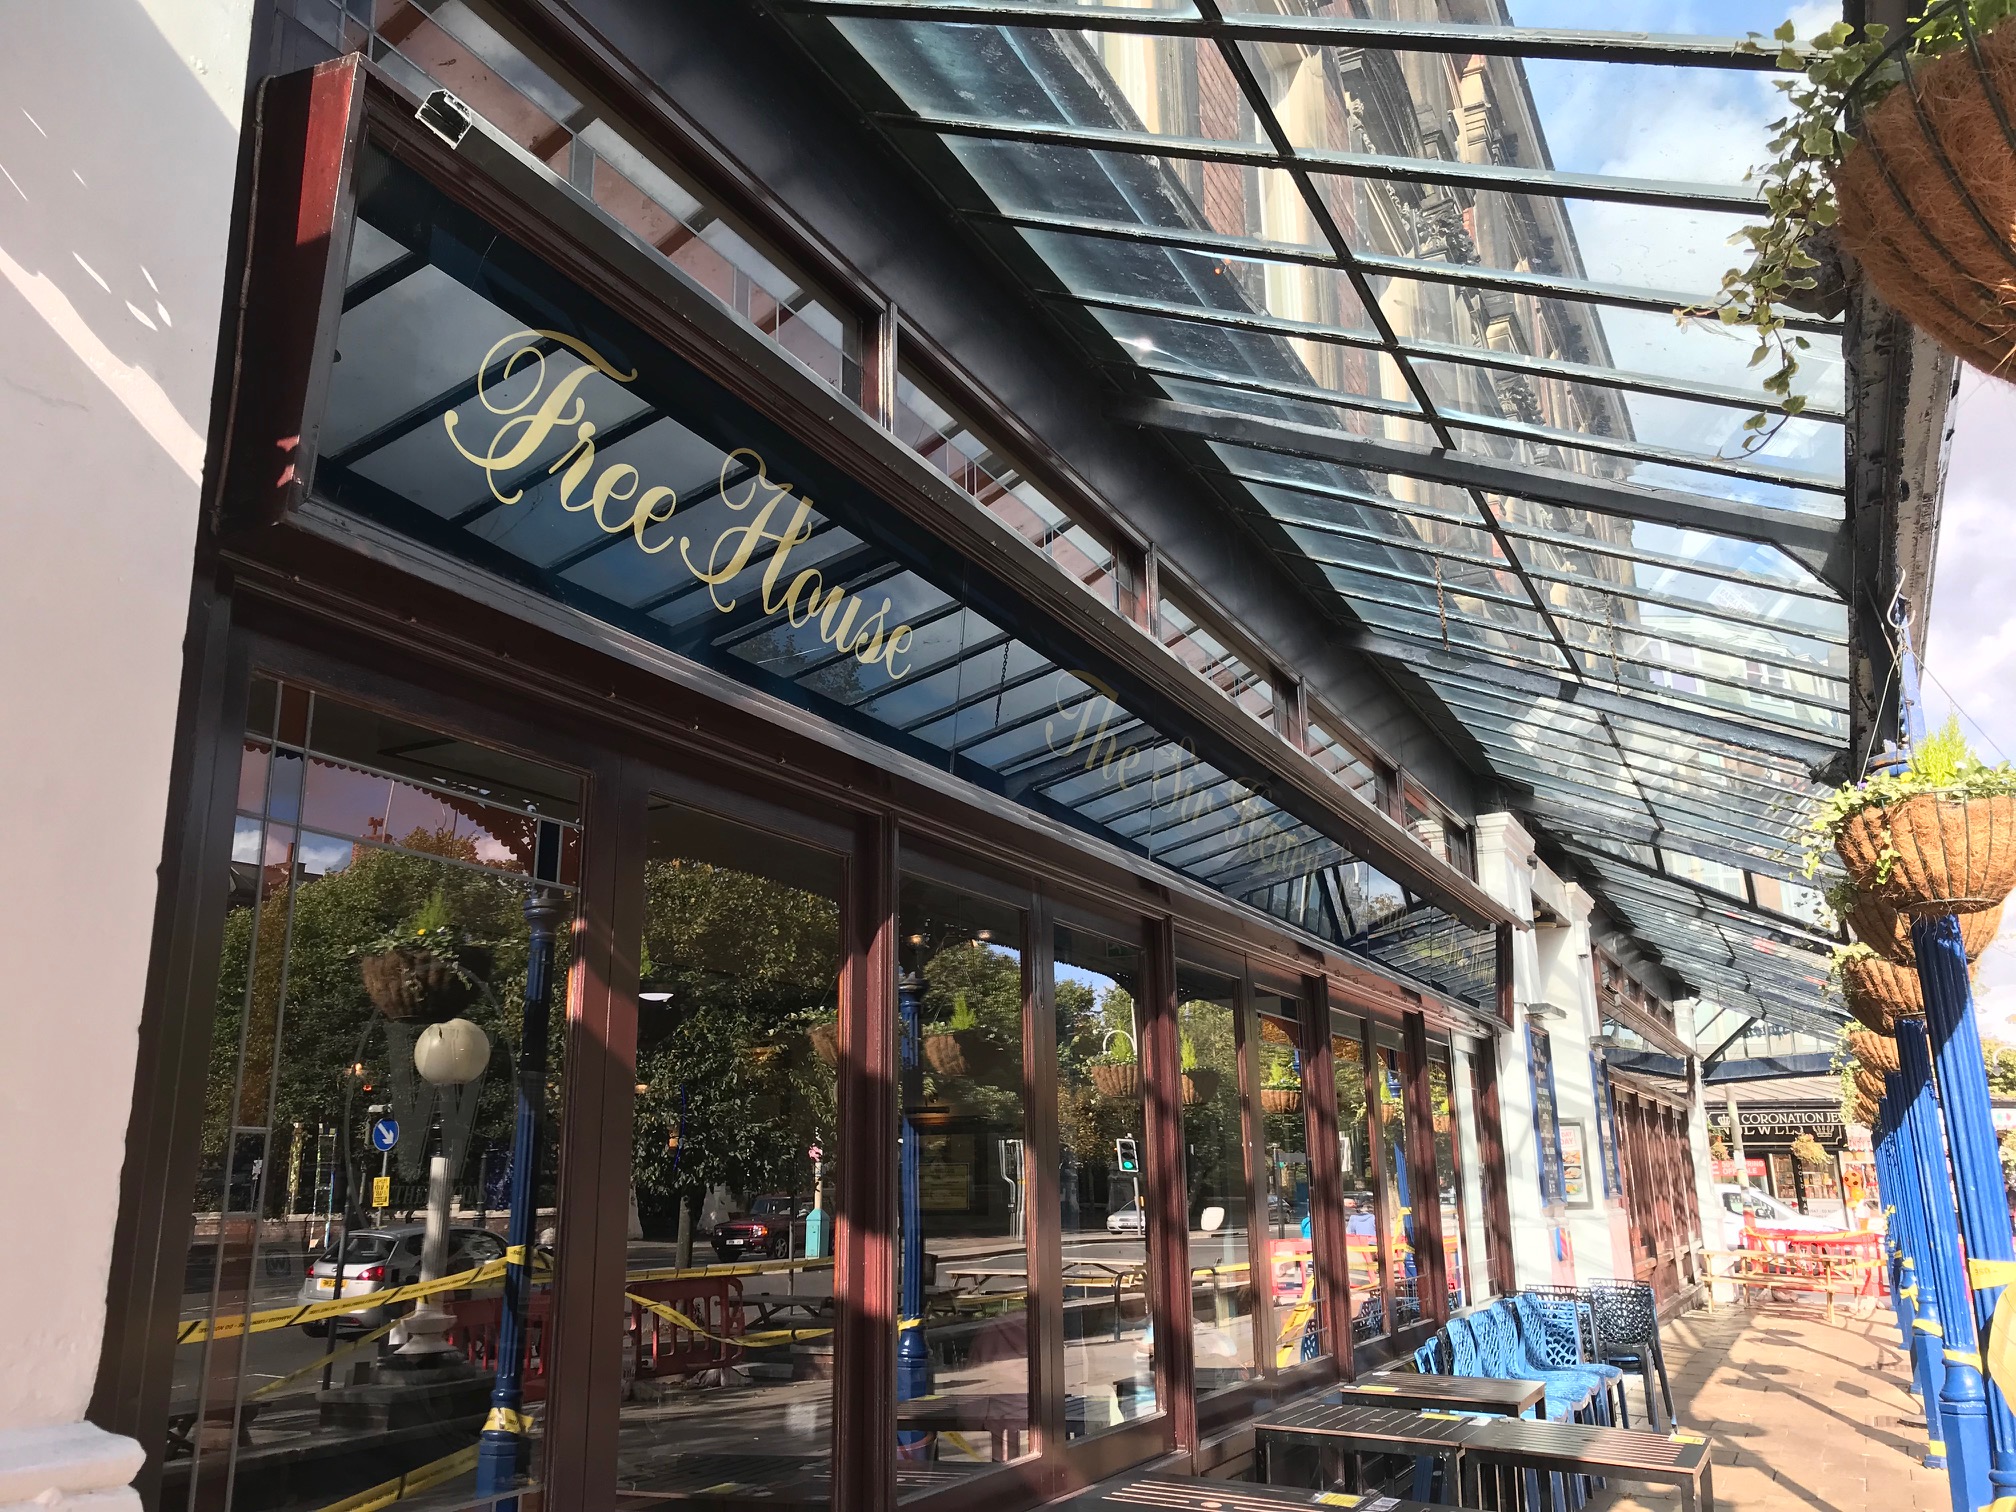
x=1109, y=1376
x=962, y=1355
x=1221, y=1283
x=331, y=1173
x=1291, y=1269
x=1367, y=1267
x=1447, y=1175
x=735, y=1148
x=1396, y=1193
x=1478, y=1243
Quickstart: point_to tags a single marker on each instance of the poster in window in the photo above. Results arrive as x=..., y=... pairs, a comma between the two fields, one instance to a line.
x=1546, y=1126
x=1575, y=1164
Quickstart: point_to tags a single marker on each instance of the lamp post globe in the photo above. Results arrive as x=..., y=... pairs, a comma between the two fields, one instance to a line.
x=451, y=1054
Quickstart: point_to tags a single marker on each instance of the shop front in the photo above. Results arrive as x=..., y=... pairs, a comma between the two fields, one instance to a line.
x=707, y=975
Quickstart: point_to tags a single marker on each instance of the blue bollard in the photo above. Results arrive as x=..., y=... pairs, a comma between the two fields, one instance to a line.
x=1920, y=1289
x=501, y=1451
x=1976, y=1156
x=1963, y=1403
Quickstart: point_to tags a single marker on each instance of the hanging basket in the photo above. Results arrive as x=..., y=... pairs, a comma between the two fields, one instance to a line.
x=1877, y=1052
x=1199, y=1086
x=964, y=1052
x=1880, y=992
x=1122, y=1080
x=1868, y=1083
x=825, y=1040
x=1887, y=930
x=1863, y=1112
x=1928, y=199
x=1281, y=1099
x=1932, y=854
x=423, y=986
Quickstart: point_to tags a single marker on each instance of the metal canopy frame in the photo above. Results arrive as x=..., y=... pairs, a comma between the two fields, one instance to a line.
x=1649, y=643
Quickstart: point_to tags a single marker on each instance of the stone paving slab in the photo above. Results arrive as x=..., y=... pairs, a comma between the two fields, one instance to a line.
x=1803, y=1415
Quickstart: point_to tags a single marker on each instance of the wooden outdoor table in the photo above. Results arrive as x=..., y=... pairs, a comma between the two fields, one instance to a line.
x=1003, y=1418
x=1499, y=1450
x=1350, y=1430
x=1444, y=1393
x=1185, y=1493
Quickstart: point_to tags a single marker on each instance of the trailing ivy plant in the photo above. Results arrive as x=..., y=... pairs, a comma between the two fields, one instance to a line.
x=1840, y=74
x=1941, y=763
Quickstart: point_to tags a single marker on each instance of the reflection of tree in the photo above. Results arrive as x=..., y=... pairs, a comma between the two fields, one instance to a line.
x=295, y=945
x=749, y=965
x=969, y=986
x=1217, y=1173
x=1093, y=1027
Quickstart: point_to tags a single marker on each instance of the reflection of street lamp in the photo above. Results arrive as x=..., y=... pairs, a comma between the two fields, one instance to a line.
x=450, y=1055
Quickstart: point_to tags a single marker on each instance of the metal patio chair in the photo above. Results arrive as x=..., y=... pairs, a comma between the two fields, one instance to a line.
x=1627, y=1336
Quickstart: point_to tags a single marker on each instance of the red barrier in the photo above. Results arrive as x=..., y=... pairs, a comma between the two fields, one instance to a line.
x=662, y=1347
x=477, y=1320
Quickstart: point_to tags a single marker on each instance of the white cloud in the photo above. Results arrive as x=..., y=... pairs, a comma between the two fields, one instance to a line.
x=1970, y=660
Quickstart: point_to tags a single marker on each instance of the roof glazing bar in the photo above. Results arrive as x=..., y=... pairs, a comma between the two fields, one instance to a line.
x=1651, y=48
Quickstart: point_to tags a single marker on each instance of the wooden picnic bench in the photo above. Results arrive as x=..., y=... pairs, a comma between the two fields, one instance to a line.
x=1498, y=1453
x=1444, y=1393
x=1345, y=1433
x=1188, y=1493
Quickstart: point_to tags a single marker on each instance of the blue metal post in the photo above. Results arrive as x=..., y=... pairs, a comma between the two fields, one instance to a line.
x=500, y=1452
x=1977, y=1162
x=1963, y=1403
x=1888, y=1184
x=913, y=1355
x=1919, y=1292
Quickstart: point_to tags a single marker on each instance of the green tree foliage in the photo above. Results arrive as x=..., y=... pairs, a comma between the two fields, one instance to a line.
x=749, y=966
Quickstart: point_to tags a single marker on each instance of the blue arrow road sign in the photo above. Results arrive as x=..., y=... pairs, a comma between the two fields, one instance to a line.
x=384, y=1133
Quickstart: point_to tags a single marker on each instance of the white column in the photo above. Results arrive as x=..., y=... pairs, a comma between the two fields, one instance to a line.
x=1505, y=869
x=119, y=138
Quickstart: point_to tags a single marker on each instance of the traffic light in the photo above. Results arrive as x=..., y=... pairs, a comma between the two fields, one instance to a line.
x=1128, y=1154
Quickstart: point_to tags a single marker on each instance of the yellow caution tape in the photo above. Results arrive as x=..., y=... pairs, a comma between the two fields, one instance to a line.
x=1963, y=1357
x=1909, y=1293
x=2001, y=1504
x=385, y=1493
x=2000, y=1345
x=1935, y=1446
x=1926, y=1325
x=761, y=1340
x=507, y=1420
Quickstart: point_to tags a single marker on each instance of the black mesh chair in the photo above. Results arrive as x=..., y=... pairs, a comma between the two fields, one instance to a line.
x=1627, y=1335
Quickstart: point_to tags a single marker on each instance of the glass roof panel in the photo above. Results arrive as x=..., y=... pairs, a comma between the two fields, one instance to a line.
x=1525, y=226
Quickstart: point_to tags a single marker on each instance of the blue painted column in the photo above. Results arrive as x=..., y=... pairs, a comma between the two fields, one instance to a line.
x=1889, y=1184
x=501, y=1451
x=1977, y=1163
x=1919, y=1292
x=913, y=1355
x=1963, y=1401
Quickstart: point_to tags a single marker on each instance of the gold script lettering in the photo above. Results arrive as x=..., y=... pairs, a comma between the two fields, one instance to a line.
x=619, y=502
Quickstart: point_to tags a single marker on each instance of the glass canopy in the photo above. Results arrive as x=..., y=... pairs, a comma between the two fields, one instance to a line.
x=1401, y=280
x=508, y=419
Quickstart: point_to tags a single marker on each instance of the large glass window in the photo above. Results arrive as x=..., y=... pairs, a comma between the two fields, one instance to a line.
x=1448, y=1174
x=1102, y=1177
x=1290, y=1261
x=395, y=896
x=728, y=1302
x=1396, y=1192
x=1366, y=1264
x=1222, y=1294
x=962, y=1352
x=1477, y=1240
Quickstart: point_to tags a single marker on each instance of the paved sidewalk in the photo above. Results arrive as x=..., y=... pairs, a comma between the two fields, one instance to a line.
x=1805, y=1416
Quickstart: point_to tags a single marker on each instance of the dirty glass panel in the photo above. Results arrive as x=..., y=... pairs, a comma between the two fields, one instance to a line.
x=734, y=1164
x=1365, y=1263
x=964, y=1340
x=1290, y=1262
x=1222, y=1300
x=1449, y=1175
x=393, y=890
x=1109, y=1375
x=1397, y=1196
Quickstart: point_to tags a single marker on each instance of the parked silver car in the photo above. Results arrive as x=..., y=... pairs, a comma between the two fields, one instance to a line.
x=379, y=1260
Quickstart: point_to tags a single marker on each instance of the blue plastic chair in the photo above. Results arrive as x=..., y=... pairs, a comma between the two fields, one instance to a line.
x=1499, y=1355
x=1428, y=1358
x=1550, y=1336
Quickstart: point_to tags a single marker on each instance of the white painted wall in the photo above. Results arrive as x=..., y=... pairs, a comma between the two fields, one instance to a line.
x=119, y=124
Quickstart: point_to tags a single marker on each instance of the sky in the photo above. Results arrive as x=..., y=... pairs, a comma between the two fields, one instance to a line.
x=1970, y=650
